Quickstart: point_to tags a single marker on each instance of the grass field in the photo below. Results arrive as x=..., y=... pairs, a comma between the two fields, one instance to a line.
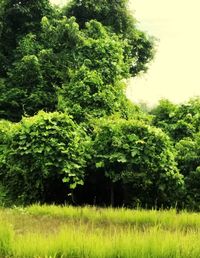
x=53, y=231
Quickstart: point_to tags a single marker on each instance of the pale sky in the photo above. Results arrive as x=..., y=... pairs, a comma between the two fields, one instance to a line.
x=175, y=71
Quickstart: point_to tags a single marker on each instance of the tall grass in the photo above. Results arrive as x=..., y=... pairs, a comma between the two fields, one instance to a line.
x=84, y=242
x=163, y=218
x=6, y=238
x=93, y=232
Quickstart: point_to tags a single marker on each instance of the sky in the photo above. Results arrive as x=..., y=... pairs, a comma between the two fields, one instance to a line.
x=175, y=71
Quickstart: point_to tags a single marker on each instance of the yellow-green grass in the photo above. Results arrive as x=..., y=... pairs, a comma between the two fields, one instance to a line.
x=54, y=231
x=169, y=219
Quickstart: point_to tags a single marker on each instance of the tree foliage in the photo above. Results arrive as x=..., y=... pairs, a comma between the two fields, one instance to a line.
x=41, y=57
x=44, y=152
x=179, y=121
x=182, y=123
x=50, y=65
x=17, y=18
x=188, y=155
x=116, y=16
x=188, y=159
x=127, y=151
x=73, y=63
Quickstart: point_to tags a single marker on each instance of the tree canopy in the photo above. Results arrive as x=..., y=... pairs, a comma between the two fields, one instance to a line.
x=116, y=16
x=51, y=52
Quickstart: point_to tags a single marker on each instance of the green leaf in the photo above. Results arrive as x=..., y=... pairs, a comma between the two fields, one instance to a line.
x=66, y=180
x=100, y=164
x=73, y=186
x=134, y=153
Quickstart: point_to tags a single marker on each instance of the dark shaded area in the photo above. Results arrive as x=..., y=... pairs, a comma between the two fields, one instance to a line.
x=98, y=190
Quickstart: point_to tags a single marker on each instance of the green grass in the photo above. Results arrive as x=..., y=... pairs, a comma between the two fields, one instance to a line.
x=53, y=231
x=142, y=218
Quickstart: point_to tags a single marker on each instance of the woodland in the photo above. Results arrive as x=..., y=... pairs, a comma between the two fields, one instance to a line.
x=68, y=132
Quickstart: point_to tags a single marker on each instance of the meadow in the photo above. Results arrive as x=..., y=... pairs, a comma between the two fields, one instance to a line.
x=55, y=231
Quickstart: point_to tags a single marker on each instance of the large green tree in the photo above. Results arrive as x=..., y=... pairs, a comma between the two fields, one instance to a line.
x=40, y=58
x=82, y=69
x=116, y=16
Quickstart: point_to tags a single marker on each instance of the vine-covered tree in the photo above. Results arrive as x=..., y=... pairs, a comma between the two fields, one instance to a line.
x=44, y=158
x=45, y=58
x=116, y=17
x=139, y=156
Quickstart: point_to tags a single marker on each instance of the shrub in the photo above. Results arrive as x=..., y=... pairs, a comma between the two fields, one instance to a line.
x=141, y=158
x=45, y=151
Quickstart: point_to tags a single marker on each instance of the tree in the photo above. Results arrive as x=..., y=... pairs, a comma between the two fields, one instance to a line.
x=46, y=57
x=59, y=66
x=95, y=89
x=27, y=90
x=164, y=115
x=17, y=18
x=182, y=123
x=55, y=63
x=115, y=16
x=179, y=121
x=188, y=154
x=45, y=158
x=128, y=152
x=5, y=136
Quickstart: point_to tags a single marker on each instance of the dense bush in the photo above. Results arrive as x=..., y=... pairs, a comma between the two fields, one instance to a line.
x=44, y=151
x=139, y=157
x=182, y=123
